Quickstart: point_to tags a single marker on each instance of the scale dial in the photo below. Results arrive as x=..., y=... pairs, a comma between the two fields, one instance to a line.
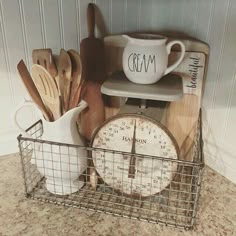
x=130, y=134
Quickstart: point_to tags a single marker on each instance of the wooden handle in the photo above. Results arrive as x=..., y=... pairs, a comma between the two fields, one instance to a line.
x=64, y=72
x=76, y=78
x=94, y=115
x=47, y=88
x=32, y=90
x=91, y=20
x=44, y=58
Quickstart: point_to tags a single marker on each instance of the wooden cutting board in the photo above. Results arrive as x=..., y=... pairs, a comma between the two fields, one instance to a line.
x=113, y=46
x=183, y=115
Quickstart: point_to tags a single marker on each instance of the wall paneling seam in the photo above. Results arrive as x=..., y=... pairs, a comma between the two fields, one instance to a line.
x=24, y=34
x=6, y=54
x=77, y=5
x=139, y=15
x=196, y=19
x=229, y=107
x=231, y=91
x=110, y=18
x=125, y=16
x=42, y=21
x=219, y=65
x=61, y=26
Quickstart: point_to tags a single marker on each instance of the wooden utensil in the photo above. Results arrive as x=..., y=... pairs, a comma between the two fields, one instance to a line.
x=113, y=46
x=44, y=58
x=75, y=78
x=93, y=72
x=64, y=73
x=32, y=90
x=94, y=115
x=92, y=51
x=47, y=89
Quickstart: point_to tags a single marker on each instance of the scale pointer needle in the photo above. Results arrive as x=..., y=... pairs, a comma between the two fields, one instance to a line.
x=132, y=162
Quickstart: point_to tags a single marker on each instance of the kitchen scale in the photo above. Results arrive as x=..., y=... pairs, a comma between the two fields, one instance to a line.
x=134, y=152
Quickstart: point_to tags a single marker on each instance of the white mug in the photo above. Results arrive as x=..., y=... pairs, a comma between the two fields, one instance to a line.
x=145, y=58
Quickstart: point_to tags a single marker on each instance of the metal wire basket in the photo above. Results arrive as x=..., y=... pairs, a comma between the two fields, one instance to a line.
x=176, y=205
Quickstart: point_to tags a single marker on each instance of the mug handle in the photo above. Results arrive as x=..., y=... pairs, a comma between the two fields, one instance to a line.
x=25, y=103
x=168, y=48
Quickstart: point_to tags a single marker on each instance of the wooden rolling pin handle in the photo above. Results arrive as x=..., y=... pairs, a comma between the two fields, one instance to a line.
x=91, y=20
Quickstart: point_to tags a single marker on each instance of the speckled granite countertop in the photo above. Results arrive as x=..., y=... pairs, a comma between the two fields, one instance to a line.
x=22, y=216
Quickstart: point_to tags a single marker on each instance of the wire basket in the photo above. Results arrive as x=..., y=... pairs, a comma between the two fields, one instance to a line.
x=176, y=205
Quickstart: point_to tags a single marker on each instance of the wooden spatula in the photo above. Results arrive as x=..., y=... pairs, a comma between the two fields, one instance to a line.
x=47, y=89
x=44, y=58
x=92, y=51
x=75, y=78
x=64, y=73
x=32, y=90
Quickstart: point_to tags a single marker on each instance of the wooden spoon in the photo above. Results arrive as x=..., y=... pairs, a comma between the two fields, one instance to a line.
x=47, y=89
x=32, y=90
x=75, y=78
x=64, y=73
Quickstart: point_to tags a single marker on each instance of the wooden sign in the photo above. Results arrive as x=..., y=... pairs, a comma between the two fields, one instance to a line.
x=182, y=115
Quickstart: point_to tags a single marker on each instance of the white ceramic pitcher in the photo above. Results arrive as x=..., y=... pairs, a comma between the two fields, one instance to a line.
x=60, y=164
x=145, y=57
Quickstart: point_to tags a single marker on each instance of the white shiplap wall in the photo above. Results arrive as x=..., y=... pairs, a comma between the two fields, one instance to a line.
x=28, y=24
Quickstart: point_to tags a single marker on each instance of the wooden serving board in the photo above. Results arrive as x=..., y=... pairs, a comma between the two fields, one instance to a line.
x=182, y=115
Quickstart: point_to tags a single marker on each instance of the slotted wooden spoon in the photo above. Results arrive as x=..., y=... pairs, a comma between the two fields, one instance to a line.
x=44, y=58
x=47, y=89
x=32, y=90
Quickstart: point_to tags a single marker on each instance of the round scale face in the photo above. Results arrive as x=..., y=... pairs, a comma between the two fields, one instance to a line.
x=129, y=173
